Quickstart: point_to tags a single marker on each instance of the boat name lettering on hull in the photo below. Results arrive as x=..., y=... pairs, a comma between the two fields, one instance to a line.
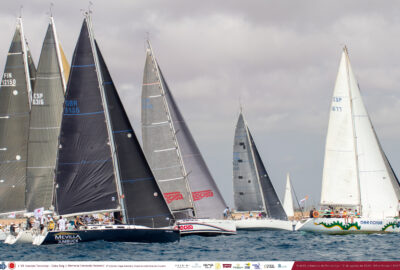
x=67, y=238
x=371, y=222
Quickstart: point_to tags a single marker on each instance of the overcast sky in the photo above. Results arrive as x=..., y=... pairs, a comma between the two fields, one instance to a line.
x=280, y=58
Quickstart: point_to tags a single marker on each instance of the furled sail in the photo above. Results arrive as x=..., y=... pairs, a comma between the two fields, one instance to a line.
x=144, y=203
x=252, y=166
x=288, y=199
x=85, y=179
x=14, y=123
x=173, y=154
x=45, y=122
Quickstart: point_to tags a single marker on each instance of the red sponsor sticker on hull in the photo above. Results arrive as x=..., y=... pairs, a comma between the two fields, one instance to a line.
x=173, y=196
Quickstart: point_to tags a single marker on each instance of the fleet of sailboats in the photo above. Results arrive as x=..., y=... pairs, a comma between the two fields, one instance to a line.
x=67, y=147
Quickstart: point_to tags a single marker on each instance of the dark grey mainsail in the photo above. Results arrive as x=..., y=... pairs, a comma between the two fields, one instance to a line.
x=173, y=154
x=85, y=180
x=246, y=187
x=14, y=122
x=249, y=164
x=45, y=122
x=144, y=203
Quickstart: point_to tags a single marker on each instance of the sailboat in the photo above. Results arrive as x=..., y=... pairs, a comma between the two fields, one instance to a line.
x=288, y=199
x=15, y=102
x=177, y=164
x=101, y=167
x=357, y=175
x=253, y=189
x=44, y=129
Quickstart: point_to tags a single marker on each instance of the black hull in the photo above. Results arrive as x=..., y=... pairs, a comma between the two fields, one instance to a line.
x=112, y=235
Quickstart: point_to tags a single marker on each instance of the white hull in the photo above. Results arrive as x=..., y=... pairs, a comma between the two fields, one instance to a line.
x=359, y=225
x=206, y=226
x=21, y=237
x=264, y=224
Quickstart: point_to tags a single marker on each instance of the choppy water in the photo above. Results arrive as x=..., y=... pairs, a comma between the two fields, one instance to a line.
x=245, y=246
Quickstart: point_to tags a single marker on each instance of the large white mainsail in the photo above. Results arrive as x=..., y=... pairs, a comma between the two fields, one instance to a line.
x=356, y=170
x=340, y=178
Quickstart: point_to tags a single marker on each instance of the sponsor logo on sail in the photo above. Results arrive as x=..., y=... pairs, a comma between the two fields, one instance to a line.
x=3, y=265
x=247, y=266
x=217, y=266
x=173, y=196
x=11, y=265
x=238, y=266
x=227, y=265
x=208, y=265
x=269, y=266
x=67, y=238
x=198, y=195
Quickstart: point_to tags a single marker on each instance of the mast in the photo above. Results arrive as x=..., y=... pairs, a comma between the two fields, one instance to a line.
x=354, y=128
x=25, y=57
x=107, y=116
x=60, y=65
x=173, y=129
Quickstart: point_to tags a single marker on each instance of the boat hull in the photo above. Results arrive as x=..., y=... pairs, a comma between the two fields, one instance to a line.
x=264, y=224
x=23, y=237
x=358, y=226
x=3, y=235
x=206, y=227
x=115, y=233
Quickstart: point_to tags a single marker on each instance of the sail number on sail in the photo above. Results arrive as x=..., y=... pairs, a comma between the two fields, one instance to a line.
x=38, y=99
x=71, y=107
x=8, y=80
x=337, y=108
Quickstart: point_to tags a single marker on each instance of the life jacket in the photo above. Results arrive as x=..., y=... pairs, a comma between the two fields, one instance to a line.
x=51, y=225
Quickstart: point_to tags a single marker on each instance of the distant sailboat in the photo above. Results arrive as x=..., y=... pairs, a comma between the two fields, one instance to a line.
x=357, y=175
x=288, y=199
x=101, y=167
x=253, y=189
x=176, y=161
x=15, y=97
x=44, y=129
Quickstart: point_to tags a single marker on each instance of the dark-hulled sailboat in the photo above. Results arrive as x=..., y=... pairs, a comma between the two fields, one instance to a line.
x=176, y=161
x=101, y=167
x=253, y=189
x=15, y=98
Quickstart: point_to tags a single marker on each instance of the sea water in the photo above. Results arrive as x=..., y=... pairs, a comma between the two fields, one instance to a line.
x=245, y=246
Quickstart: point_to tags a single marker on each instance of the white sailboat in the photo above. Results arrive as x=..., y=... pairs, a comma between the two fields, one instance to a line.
x=253, y=189
x=357, y=175
x=176, y=162
x=288, y=199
